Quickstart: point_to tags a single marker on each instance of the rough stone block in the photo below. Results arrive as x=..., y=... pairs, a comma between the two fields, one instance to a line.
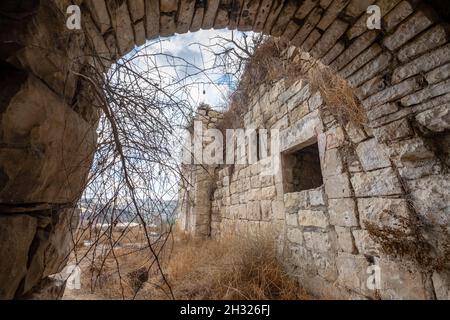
x=371, y=69
x=317, y=197
x=424, y=63
x=312, y=218
x=393, y=131
x=343, y=212
x=295, y=200
x=427, y=93
x=331, y=13
x=337, y=186
x=439, y=74
x=365, y=244
x=397, y=282
x=397, y=15
x=360, y=60
x=371, y=155
x=318, y=241
x=429, y=40
x=100, y=14
x=436, y=119
x=355, y=48
x=16, y=235
x=418, y=22
x=376, y=183
x=329, y=38
x=384, y=212
x=295, y=235
x=345, y=239
x=392, y=93
x=152, y=18
x=352, y=271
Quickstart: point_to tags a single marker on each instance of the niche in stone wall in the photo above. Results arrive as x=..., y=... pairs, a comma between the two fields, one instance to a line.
x=301, y=169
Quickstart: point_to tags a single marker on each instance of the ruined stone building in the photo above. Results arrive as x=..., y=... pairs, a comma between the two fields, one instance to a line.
x=346, y=199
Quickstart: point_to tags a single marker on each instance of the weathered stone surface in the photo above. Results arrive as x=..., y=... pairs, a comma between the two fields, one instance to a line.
x=356, y=7
x=313, y=37
x=329, y=38
x=185, y=15
x=16, y=235
x=137, y=9
x=385, y=212
x=424, y=63
x=371, y=69
x=397, y=282
x=139, y=33
x=431, y=39
x=352, y=272
x=393, y=131
x=360, y=60
x=439, y=74
x=317, y=197
x=355, y=132
x=301, y=133
x=318, y=241
x=333, y=53
x=332, y=164
x=365, y=244
x=392, y=93
x=295, y=235
x=337, y=186
x=152, y=18
x=345, y=239
x=331, y=13
x=355, y=48
x=381, y=111
x=36, y=119
x=418, y=22
x=360, y=26
x=431, y=197
x=121, y=23
x=441, y=286
x=436, y=119
x=50, y=288
x=312, y=218
x=288, y=11
x=293, y=201
x=343, y=212
x=410, y=150
x=371, y=155
x=311, y=21
x=299, y=97
x=261, y=17
x=325, y=265
x=427, y=93
x=100, y=14
x=397, y=15
x=376, y=183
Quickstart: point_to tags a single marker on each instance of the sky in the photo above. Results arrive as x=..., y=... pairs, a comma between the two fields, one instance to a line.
x=216, y=85
x=183, y=67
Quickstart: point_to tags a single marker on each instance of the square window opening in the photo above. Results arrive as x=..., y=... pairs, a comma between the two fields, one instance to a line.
x=301, y=169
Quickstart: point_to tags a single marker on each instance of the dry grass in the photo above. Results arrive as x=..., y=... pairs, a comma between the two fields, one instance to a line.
x=270, y=63
x=230, y=268
x=338, y=96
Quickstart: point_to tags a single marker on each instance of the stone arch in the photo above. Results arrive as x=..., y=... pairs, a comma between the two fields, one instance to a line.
x=400, y=74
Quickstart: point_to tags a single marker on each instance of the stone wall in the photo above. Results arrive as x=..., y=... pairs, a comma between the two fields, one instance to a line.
x=370, y=210
x=48, y=112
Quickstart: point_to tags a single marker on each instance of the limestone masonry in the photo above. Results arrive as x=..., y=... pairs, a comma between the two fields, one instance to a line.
x=375, y=196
